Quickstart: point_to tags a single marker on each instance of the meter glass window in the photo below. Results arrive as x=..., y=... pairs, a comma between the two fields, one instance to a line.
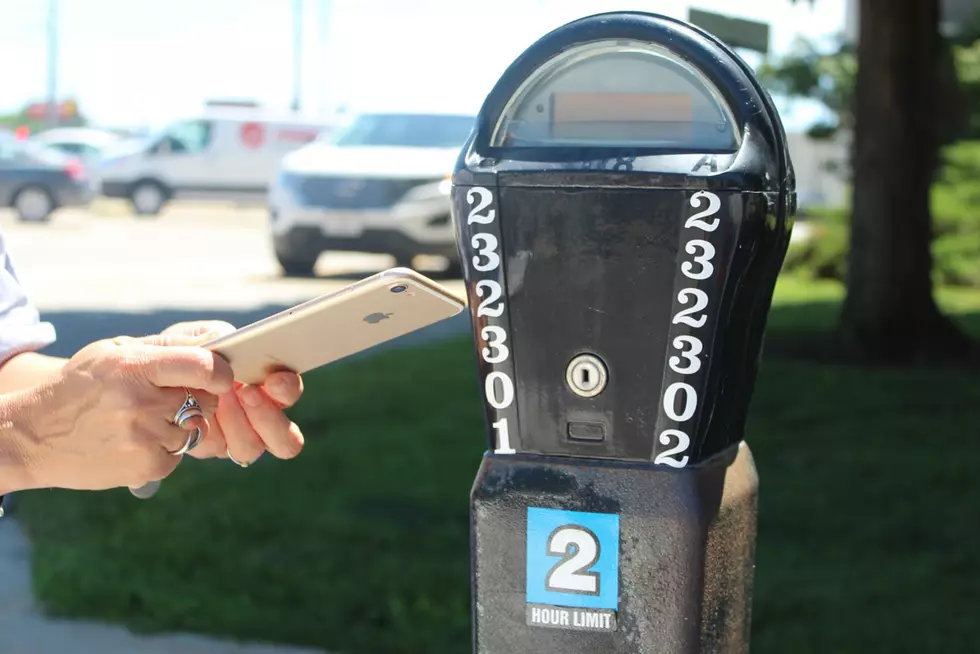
x=618, y=94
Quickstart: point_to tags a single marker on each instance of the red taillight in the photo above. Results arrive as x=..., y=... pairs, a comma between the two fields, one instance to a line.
x=75, y=169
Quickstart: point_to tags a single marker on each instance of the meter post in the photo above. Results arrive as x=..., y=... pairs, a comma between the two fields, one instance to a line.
x=622, y=208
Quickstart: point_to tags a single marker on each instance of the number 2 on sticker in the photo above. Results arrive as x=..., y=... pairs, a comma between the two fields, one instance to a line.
x=579, y=549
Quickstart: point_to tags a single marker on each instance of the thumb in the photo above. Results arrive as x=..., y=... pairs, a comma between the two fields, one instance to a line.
x=190, y=333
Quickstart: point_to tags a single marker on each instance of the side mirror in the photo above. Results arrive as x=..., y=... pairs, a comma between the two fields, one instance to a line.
x=161, y=147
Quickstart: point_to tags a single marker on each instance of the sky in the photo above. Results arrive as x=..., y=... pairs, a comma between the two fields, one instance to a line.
x=146, y=62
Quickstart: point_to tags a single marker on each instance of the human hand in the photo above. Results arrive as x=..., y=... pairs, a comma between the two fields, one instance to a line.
x=249, y=419
x=104, y=420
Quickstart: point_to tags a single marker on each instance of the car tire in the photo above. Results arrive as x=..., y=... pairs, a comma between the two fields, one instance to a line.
x=454, y=270
x=148, y=197
x=297, y=267
x=404, y=260
x=297, y=252
x=33, y=204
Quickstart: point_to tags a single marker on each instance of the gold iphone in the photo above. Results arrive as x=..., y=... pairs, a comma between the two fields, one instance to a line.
x=333, y=326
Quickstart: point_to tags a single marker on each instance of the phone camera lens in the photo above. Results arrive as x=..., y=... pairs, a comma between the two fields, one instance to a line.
x=399, y=289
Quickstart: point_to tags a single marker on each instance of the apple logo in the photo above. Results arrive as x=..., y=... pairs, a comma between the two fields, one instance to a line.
x=375, y=318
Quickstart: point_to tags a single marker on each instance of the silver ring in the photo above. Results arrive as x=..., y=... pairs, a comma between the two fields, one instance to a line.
x=189, y=409
x=193, y=440
x=234, y=460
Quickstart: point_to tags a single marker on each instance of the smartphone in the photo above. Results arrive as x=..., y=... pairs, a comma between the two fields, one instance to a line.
x=379, y=308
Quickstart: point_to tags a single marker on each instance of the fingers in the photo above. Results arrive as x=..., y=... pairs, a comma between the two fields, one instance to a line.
x=242, y=440
x=169, y=400
x=158, y=467
x=285, y=388
x=187, y=366
x=172, y=438
x=213, y=445
x=156, y=462
x=281, y=437
x=200, y=327
x=195, y=332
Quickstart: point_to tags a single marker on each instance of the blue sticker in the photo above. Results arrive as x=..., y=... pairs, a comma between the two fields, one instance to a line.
x=572, y=558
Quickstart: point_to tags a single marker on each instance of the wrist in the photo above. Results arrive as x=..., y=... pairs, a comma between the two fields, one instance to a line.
x=17, y=437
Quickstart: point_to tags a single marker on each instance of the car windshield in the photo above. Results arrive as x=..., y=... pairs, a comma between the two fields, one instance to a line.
x=406, y=130
x=12, y=149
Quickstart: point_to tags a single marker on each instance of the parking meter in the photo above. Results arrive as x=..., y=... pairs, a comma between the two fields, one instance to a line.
x=622, y=209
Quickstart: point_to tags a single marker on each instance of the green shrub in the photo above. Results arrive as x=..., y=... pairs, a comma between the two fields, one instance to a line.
x=823, y=255
x=956, y=217
x=956, y=227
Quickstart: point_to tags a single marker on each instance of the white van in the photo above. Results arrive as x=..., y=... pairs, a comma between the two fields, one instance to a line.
x=226, y=153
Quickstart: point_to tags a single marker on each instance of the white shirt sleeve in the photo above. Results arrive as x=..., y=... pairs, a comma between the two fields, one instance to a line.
x=21, y=328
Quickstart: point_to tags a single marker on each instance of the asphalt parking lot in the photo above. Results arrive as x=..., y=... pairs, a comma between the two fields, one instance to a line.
x=100, y=272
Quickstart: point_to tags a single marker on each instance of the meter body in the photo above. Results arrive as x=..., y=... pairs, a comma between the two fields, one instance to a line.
x=622, y=209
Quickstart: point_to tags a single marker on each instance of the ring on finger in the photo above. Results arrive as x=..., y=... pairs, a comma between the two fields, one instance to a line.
x=191, y=408
x=193, y=440
x=243, y=464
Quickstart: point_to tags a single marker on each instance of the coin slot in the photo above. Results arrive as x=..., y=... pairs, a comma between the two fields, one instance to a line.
x=586, y=431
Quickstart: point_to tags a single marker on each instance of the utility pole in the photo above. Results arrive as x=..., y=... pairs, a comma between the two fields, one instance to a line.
x=52, y=25
x=323, y=48
x=297, y=53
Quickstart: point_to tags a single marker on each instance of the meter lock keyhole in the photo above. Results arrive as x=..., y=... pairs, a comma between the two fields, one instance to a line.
x=586, y=375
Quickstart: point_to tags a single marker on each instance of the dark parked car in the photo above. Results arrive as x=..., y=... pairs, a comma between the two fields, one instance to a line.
x=36, y=180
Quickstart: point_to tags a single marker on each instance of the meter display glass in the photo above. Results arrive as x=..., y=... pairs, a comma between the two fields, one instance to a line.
x=618, y=93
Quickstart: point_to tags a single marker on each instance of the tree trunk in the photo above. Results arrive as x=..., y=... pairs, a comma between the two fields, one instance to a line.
x=889, y=314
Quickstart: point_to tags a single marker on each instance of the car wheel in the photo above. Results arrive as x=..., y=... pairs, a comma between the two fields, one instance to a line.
x=294, y=267
x=33, y=204
x=404, y=260
x=454, y=270
x=148, y=198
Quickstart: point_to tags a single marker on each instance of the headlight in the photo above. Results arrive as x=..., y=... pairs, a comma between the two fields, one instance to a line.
x=287, y=181
x=429, y=191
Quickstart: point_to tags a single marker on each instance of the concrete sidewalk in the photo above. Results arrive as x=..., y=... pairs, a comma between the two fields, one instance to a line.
x=24, y=630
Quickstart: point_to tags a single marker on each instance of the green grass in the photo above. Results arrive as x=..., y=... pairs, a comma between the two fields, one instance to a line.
x=868, y=524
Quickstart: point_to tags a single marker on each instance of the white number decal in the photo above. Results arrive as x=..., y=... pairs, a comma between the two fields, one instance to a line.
x=683, y=442
x=486, y=197
x=579, y=549
x=708, y=253
x=690, y=355
x=700, y=304
x=714, y=204
x=699, y=268
x=488, y=250
x=498, y=386
x=690, y=401
x=495, y=351
x=494, y=294
x=503, y=437
x=506, y=396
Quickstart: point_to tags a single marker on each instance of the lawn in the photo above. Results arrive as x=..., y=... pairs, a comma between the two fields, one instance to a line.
x=868, y=525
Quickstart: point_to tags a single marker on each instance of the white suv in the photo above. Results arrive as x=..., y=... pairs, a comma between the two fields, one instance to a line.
x=381, y=185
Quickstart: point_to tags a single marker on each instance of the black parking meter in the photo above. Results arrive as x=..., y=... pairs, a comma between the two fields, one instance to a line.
x=622, y=208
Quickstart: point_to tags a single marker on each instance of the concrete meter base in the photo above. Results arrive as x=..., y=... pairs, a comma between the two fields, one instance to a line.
x=573, y=555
